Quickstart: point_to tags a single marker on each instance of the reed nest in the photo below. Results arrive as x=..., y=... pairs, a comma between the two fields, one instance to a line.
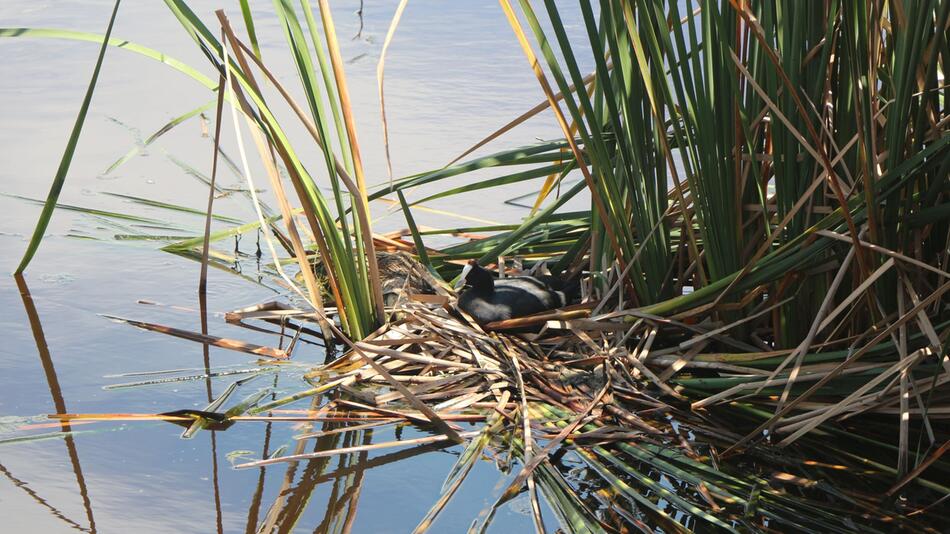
x=620, y=418
x=612, y=390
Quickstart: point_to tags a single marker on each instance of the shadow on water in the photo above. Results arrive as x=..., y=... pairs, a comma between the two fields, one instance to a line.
x=206, y=358
x=293, y=500
x=56, y=392
x=253, y=511
x=346, y=490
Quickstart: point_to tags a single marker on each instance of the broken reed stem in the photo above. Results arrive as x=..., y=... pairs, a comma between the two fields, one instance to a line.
x=206, y=245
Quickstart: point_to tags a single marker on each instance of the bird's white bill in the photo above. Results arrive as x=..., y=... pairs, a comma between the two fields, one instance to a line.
x=461, y=281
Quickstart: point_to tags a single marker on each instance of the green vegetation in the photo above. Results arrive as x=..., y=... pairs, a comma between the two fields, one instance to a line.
x=768, y=237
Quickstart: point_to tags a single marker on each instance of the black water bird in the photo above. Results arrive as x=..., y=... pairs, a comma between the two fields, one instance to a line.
x=489, y=299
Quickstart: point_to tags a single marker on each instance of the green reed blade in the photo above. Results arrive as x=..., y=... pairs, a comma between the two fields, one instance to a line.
x=60, y=179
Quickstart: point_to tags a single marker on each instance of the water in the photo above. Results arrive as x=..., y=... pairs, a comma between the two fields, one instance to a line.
x=454, y=74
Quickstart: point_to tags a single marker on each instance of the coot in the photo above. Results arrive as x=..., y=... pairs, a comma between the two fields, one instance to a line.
x=488, y=299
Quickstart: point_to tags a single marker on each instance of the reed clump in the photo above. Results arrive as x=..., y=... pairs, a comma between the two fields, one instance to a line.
x=765, y=245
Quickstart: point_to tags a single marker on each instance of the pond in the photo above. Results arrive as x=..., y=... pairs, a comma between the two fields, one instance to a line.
x=454, y=74
x=648, y=406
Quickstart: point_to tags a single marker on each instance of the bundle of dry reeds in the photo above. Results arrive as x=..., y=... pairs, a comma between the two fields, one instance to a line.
x=601, y=384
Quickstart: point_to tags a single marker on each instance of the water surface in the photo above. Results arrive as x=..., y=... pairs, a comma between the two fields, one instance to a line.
x=454, y=74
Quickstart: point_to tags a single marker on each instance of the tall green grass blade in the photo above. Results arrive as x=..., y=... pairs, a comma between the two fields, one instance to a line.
x=515, y=156
x=327, y=73
x=60, y=179
x=514, y=178
x=52, y=33
x=249, y=25
x=416, y=238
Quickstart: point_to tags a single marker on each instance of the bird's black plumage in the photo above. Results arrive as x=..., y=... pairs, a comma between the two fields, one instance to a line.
x=488, y=299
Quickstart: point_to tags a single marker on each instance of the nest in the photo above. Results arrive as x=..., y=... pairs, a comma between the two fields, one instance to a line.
x=584, y=386
x=605, y=389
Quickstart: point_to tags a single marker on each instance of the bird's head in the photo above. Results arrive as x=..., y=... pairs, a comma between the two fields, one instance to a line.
x=475, y=276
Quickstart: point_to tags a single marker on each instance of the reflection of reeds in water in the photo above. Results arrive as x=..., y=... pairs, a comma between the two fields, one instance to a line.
x=292, y=500
x=206, y=358
x=253, y=510
x=41, y=501
x=42, y=350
